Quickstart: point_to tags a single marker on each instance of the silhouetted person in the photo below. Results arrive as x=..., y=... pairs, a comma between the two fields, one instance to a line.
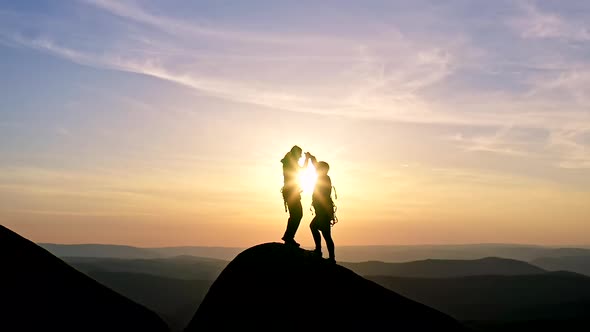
x=324, y=209
x=292, y=192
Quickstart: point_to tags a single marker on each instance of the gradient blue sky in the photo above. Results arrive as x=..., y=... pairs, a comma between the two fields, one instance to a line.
x=162, y=122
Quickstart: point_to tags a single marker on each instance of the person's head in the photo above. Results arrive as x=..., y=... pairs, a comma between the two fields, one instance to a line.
x=322, y=168
x=296, y=152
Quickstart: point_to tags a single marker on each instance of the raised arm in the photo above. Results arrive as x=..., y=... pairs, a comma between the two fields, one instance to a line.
x=306, y=160
x=309, y=156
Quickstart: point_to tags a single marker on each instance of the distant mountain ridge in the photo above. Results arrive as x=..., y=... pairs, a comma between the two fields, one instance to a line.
x=391, y=254
x=40, y=292
x=181, y=267
x=130, y=252
x=406, y=253
x=439, y=268
x=579, y=264
x=98, y=250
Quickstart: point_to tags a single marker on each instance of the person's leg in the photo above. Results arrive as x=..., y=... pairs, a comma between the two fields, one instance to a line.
x=327, y=232
x=295, y=215
x=317, y=237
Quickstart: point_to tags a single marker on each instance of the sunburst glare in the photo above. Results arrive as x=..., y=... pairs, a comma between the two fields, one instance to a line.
x=307, y=178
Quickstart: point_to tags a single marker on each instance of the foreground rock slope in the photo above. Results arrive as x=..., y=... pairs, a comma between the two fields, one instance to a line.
x=40, y=292
x=277, y=287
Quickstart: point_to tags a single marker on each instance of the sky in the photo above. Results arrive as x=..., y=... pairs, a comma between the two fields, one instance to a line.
x=162, y=123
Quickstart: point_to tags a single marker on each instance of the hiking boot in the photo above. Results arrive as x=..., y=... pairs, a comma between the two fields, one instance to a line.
x=291, y=242
x=317, y=252
x=331, y=260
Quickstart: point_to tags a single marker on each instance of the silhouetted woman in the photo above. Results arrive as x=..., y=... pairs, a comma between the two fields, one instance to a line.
x=292, y=192
x=323, y=205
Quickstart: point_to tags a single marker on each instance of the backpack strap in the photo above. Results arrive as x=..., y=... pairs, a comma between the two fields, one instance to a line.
x=334, y=208
x=284, y=199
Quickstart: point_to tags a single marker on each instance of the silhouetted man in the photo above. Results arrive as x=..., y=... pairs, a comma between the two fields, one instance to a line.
x=323, y=205
x=292, y=192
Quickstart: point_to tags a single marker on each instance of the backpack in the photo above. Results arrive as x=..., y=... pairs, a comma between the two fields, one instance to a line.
x=334, y=207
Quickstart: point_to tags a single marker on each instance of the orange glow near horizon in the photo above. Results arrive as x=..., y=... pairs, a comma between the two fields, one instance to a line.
x=148, y=124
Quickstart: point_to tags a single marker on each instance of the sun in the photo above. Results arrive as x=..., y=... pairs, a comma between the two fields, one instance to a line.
x=307, y=178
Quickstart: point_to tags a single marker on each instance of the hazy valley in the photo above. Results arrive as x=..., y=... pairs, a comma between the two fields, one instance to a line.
x=488, y=289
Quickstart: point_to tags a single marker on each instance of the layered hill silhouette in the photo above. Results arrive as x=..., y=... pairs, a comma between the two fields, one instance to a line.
x=579, y=264
x=559, y=300
x=445, y=268
x=277, y=287
x=40, y=292
x=129, y=252
x=180, y=267
x=388, y=253
x=175, y=300
x=99, y=250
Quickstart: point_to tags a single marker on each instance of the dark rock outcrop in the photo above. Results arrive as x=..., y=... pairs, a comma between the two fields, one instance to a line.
x=40, y=292
x=277, y=287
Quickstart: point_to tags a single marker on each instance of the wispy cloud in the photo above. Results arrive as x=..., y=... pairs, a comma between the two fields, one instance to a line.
x=375, y=88
x=389, y=74
x=500, y=142
x=536, y=23
x=176, y=26
x=572, y=84
x=573, y=151
x=134, y=112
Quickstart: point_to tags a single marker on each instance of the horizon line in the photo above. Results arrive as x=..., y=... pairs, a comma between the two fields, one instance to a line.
x=584, y=246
